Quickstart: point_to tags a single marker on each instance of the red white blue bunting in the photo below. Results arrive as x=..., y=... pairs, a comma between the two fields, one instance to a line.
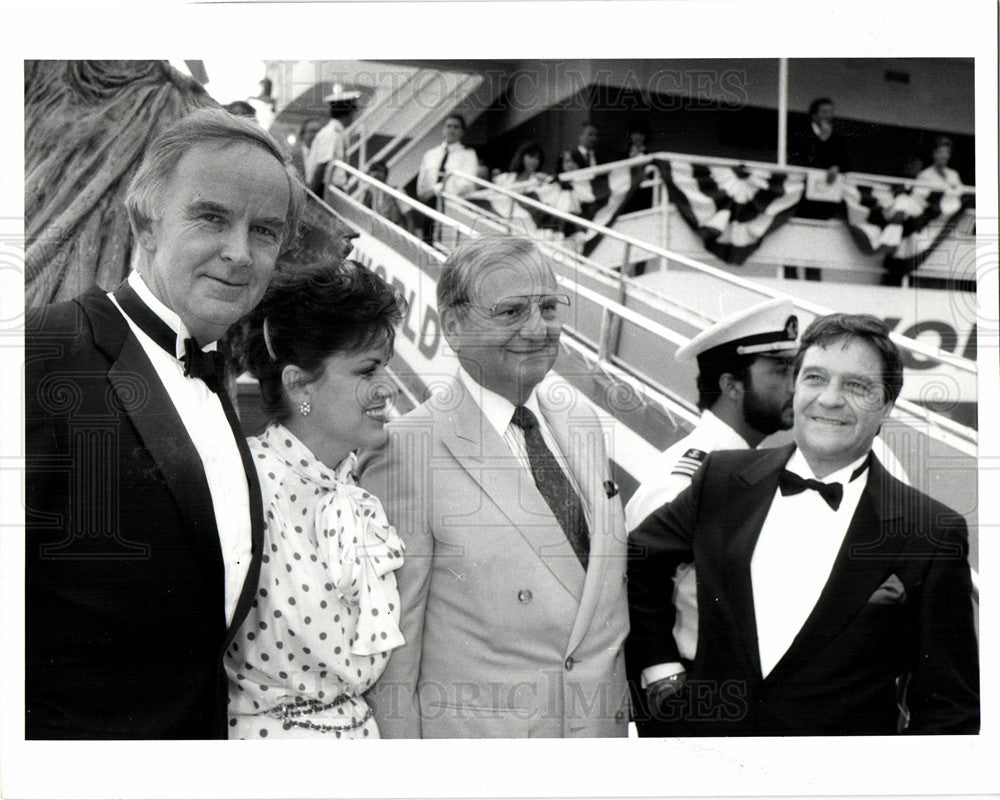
x=905, y=224
x=731, y=208
x=599, y=199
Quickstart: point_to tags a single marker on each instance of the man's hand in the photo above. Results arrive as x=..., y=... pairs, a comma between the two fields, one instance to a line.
x=659, y=692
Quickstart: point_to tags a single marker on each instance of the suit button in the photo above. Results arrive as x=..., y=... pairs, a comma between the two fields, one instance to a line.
x=569, y=663
x=524, y=596
x=619, y=716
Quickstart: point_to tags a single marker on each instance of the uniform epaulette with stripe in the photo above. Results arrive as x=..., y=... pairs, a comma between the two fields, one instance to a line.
x=688, y=463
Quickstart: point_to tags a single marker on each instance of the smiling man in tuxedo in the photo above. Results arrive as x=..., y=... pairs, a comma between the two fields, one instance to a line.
x=143, y=511
x=832, y=598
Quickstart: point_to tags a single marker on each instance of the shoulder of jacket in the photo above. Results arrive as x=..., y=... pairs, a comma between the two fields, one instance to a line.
x=689, y=462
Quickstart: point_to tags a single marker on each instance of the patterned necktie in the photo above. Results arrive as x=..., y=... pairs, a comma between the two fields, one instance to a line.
x=209, y=367
x=553, y=485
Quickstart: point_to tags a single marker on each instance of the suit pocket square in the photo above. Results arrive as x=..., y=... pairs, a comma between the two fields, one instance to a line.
x=890, y=592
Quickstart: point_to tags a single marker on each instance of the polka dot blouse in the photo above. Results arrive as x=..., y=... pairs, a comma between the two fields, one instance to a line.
x=326, y=615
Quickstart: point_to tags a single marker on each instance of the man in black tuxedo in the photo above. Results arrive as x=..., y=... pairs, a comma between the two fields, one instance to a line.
x=143, y=512
x=832, y=598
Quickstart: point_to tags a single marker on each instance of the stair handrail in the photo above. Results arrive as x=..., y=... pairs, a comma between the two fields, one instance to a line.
x=364, y=123
x=434, y=114
x=676, y=308
x=364, y=117
x=427, y=120
x=397, y=194
x=967, y=437
x=920, y=348
x=678, y=404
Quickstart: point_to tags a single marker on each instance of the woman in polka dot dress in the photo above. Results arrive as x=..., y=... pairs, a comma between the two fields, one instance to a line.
x=326, y=615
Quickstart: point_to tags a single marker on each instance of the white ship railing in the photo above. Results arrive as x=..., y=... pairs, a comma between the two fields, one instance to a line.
x=962, y=437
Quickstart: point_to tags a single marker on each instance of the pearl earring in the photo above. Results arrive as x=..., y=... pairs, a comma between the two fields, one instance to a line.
x=305, y=409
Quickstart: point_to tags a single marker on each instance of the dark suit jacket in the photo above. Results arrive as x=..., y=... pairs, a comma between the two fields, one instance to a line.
x=125, y=620
x=577, y=158
x=896, y=611
x=806, y=149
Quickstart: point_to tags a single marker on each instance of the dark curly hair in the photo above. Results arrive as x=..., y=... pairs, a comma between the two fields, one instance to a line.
x=311, y=314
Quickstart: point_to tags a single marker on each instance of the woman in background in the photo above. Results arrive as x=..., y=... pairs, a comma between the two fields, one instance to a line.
x=326, y=616
x=525, y=166
x=525, y=176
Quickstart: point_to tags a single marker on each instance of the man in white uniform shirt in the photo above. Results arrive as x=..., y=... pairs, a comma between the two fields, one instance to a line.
x=330, y=143
x=745, y=394
x=143, y=511
x=513, y=585
x=833, y=598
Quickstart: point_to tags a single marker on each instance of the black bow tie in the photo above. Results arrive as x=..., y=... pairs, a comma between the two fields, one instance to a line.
x=833, y=493
x=790, y=483
x=209, y=367
x=199, y=364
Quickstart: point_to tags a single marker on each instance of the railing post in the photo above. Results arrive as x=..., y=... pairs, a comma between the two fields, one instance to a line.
x=604, y=342
x=611, y=332
x=665, y=200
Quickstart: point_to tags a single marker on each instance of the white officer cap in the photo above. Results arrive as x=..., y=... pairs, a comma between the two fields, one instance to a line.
x=338, y=94
x=768, y=328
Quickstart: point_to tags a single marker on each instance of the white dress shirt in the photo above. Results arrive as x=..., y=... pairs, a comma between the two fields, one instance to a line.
x=948, y=180
x=205, y=421
x=499, y=411
x=798, y=543
x=460, y=158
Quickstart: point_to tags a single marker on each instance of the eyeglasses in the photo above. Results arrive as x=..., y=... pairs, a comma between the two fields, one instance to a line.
x=515, y=310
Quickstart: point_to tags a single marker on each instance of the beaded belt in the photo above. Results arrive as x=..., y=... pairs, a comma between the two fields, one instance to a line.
x=289, y=713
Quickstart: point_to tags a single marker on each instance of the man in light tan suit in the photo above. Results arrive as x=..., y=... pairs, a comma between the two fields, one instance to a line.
x=513, y=594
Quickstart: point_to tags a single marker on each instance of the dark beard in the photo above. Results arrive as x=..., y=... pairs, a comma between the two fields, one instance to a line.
x=762, y=418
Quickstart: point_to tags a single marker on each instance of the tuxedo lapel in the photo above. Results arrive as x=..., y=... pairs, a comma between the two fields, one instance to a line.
x=249, y=589
x=488, y=461
x=746, y=519
x=139, y=393
x=868, y=552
